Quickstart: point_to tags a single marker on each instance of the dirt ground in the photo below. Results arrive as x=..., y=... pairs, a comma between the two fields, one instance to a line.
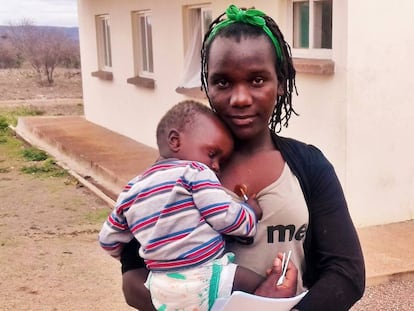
x=49, y=255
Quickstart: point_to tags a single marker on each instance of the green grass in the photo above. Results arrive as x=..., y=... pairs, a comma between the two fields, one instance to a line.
x=40, y=163
x=10, y=146
x=46, y=168
x=98, y=216
x=4, y=124
x=34, y=154
x=11, y=115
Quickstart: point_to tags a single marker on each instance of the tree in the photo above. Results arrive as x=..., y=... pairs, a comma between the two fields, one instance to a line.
x=9, y=57
x=43, y=47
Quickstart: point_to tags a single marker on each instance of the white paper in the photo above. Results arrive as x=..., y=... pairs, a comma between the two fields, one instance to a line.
x=242, y=301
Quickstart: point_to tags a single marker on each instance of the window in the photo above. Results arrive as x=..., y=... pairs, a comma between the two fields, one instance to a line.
x=104, y=42
x=143, y=53
x=312, y=28
x=197, y=21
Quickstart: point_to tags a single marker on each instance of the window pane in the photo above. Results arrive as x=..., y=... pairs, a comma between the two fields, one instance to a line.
x=322, y=24
x=207, y=19
x=149, y=45
x=106, y=43
x=198, y=20
x=301, y=24
x=143, y=44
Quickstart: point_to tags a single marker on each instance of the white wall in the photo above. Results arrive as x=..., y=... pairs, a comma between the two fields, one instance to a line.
x=126, y=108
x=360, y=117
x=322, y=102
x=381, y=128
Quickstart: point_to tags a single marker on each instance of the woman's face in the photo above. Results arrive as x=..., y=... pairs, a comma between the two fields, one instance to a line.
x=242, y=84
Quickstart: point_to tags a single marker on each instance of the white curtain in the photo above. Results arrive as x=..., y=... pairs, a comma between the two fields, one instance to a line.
x=190, y=83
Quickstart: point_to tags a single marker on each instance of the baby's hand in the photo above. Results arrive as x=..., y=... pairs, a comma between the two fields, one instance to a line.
x=252, y=201
x=241, y=191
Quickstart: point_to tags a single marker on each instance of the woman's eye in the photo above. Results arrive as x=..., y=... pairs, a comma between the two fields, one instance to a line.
x=221, y=83
x=258, y=81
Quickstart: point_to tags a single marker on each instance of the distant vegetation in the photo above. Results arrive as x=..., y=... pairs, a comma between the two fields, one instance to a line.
x=43, y=47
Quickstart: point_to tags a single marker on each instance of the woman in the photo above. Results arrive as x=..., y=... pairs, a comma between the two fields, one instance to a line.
x=248, y=77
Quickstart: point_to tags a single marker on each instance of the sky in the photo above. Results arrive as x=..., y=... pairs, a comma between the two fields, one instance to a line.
x=40, y=12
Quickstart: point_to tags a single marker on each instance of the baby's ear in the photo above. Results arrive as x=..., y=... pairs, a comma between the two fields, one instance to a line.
x=174, y=140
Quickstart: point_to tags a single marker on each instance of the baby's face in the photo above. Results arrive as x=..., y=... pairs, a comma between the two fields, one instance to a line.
x=207, y=141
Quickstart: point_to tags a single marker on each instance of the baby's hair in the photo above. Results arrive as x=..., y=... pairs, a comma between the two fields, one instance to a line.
x=284, y=66
x=180, y=116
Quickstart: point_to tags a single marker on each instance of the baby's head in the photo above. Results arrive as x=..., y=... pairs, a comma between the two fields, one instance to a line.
x=192, y=131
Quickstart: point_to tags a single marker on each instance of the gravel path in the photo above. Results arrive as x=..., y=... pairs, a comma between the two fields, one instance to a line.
x=391, y=296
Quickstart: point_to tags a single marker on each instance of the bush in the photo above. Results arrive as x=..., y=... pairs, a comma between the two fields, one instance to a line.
x=9, y=57
x=11, y=116
x=46, y=168
x=4, y=124
x=34, y=154
x=44, y=47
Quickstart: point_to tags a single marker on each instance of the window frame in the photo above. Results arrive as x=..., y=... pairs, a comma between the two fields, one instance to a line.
x=138, y=46
x=189, y=29
x=104, y=45
x=311, y=52
x=193, y=35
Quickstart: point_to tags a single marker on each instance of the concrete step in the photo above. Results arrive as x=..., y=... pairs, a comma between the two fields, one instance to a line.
x=105, y=161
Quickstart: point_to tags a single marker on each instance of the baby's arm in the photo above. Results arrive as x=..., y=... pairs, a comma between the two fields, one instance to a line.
x=252, y=201
x=219, y=209
x=242, y=191
x=115, y=232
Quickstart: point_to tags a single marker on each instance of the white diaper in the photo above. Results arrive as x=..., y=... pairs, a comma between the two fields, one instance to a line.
x=192, y=289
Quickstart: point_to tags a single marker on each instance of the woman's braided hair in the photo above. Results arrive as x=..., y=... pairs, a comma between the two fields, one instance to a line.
x=284, y=66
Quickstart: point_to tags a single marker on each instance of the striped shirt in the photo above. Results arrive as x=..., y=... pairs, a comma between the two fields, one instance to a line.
x=178, y=211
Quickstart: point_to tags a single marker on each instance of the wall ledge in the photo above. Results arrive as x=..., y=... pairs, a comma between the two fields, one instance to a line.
x=314, y=66
x=141, y=81
x=104, y=75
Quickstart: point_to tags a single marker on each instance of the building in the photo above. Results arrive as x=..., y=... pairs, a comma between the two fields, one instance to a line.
x=353, y=58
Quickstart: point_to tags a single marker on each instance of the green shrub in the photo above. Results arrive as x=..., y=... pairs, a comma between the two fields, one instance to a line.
x=10, y=117
x=34, y=154
x=46, y=168
x=4, y=124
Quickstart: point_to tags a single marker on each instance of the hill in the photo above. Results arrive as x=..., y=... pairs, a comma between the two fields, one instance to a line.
x=72, y=32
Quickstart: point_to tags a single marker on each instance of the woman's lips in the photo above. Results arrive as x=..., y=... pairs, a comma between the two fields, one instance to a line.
x=242, y=120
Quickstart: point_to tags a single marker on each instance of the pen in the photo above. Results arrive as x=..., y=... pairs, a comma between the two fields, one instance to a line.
x=284, y=268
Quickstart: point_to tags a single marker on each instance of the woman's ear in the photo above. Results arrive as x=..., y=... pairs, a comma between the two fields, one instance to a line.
x=174, y=140
x=280, y=90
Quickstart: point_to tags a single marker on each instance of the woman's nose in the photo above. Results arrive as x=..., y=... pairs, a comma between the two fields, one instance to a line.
x=240, y=96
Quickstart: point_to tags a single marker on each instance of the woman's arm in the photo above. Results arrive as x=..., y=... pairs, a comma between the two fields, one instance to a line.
x=135, y=293
x=134, y=275
x=335, y=270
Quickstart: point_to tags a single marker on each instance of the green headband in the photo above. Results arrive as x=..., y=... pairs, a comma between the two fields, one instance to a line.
x=251, y=17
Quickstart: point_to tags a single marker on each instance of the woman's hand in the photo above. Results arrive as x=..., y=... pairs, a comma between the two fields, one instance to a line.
x=135, y=292
x=268, y=288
